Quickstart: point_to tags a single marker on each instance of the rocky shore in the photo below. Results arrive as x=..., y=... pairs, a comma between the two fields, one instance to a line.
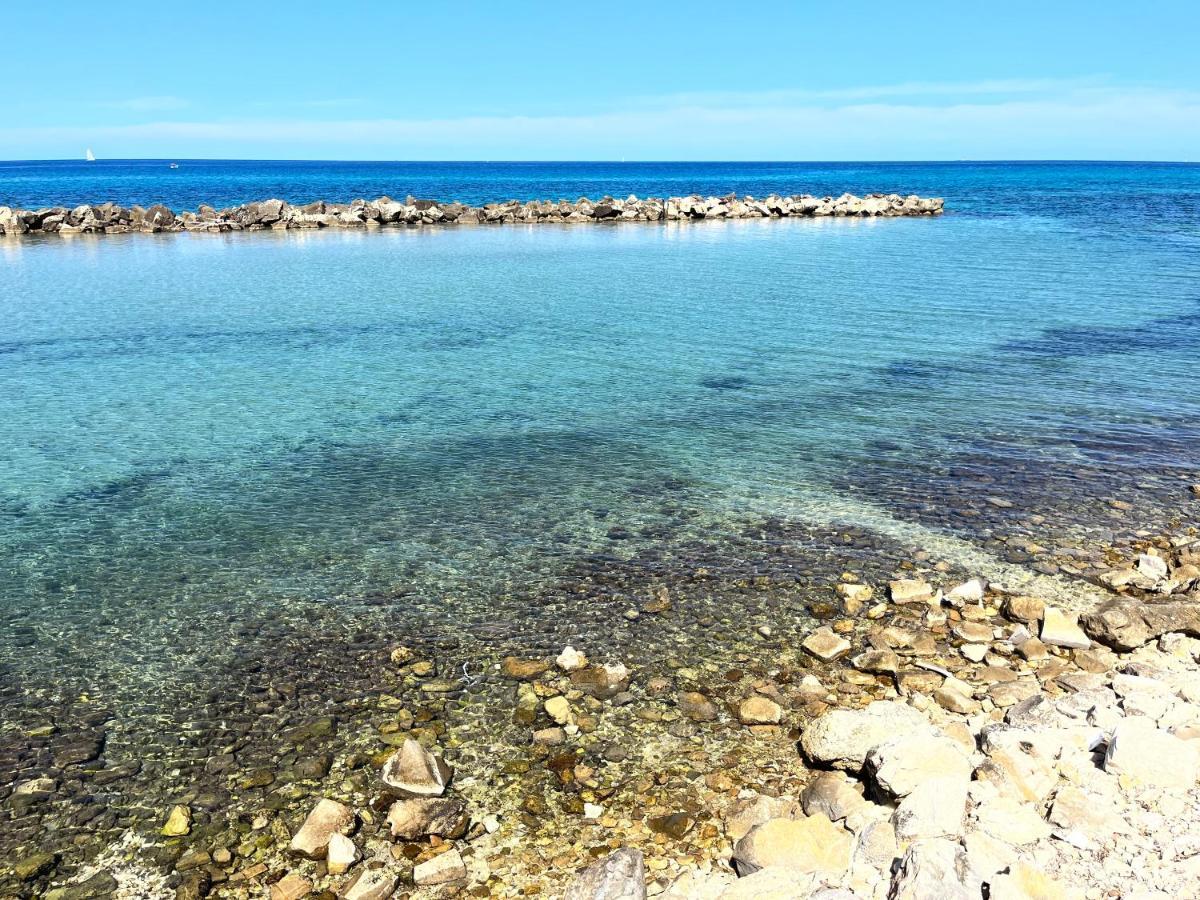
x=932, y=735
x=109, y=218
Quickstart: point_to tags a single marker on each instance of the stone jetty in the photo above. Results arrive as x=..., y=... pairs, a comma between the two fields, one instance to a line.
x=109, y=218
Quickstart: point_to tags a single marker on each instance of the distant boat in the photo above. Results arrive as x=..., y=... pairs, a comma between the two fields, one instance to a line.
x=90, y=156
x=174, y=165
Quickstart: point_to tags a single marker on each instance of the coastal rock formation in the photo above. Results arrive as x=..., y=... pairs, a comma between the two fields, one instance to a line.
x=109, y=218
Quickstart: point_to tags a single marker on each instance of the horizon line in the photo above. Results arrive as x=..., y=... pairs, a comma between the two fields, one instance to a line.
x=959, y=160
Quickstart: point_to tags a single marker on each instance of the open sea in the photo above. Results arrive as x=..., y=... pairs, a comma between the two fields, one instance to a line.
x=236, y=468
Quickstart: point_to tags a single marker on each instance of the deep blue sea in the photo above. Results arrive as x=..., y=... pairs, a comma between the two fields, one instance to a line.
x=223, y=455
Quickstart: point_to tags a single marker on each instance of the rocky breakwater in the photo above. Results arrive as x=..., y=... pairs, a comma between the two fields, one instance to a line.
x=109, y=218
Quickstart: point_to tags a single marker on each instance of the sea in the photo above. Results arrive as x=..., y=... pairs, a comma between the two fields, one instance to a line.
x=237, y=468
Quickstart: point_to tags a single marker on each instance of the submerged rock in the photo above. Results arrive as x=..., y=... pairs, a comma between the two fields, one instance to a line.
x=421, y=816
x=327, y=818
x=444, y=868
x=414, y=770
x=619, y=876
x=179, y=822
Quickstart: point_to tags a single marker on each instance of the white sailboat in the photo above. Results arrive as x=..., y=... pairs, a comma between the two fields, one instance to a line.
x=90, y=157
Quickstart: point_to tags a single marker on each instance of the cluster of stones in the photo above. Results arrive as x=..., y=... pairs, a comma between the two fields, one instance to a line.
x=1048, y=766
x=109, y=218
x=962, y=740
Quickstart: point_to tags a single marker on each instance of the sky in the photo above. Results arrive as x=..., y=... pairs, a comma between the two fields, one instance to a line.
x=697, y=80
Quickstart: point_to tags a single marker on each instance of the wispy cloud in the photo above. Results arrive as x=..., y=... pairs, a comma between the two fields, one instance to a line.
x=1079, y=119
x=147, y=104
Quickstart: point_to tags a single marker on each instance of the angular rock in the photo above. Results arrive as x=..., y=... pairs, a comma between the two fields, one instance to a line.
x=759, y=710
x=811, y=844
x=909, y=590
x=442, y=869
x=1140, y=750
x=179, y=822
x=340, y=855
x=877, y=662
x=1024, y=882
x=842, y=738
x=1011, y=820
x=1060, y=629
x=422, y=816
x=935, y=868
x=1127, y=624
x=896, y=767
x=414, y=770
x=372, y=884
x=744, y=815
x=619, y=876
x=830, y=794
x=825, y=644
x=292, y=886
x=571, y=660
x=327, y=818
x=934, y=809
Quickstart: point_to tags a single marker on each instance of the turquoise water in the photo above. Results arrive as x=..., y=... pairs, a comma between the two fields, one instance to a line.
x=215, y=440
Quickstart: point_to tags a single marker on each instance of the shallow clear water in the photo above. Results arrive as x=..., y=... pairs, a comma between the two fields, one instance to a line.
x=204, y=431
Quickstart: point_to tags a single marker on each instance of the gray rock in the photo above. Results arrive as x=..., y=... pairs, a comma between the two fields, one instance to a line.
x=935, y=868
x=420, y=816
x=619, y=876
x=1128, y=623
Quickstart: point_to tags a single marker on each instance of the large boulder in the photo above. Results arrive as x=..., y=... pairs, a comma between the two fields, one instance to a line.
x=901, y=764
x=842, y=738
x=619, y=876
x=1140, y=750
x=1128, y=623
x=935, y=868
x=811, y=844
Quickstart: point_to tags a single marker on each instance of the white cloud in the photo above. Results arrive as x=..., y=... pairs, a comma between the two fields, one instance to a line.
x=984, y=120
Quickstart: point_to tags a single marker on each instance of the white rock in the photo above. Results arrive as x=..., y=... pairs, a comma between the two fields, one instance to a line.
x=341, y=855
x=901, y=764
x=934, y=809
x=442, y=869
x=935, y=869
x=571, y=659
x=1141, y=751
x=327, y=818
x=619, y=876
x=967, y=592
x=1060, y=629
x=1153, y=566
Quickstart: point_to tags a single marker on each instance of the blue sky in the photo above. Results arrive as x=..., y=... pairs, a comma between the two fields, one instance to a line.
x=638, y=80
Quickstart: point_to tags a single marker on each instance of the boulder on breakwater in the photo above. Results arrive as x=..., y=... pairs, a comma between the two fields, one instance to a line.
x=109, y=218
